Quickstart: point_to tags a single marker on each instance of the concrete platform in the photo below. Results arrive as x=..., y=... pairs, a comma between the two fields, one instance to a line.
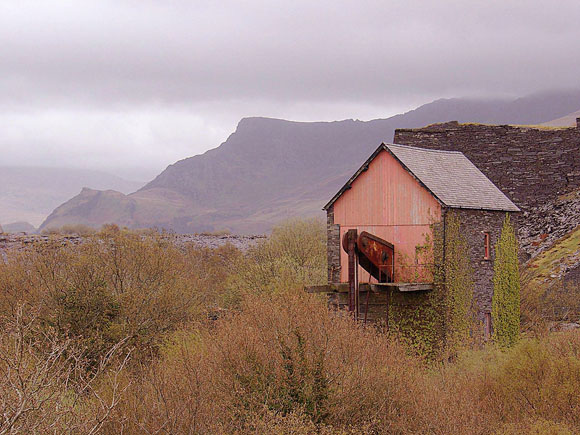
x=375, y=288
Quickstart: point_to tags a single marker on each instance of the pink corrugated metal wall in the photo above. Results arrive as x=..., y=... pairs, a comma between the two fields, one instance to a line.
x=389, y=202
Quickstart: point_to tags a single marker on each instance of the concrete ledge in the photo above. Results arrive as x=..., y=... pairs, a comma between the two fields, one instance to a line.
x=375, y=288
x=403, y=286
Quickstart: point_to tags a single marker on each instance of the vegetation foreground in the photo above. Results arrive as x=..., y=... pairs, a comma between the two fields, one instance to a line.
x=128, y=333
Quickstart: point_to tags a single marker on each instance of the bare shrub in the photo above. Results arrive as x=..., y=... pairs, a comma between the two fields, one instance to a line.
x=534, y=384
x=34, y=367
x=548, y=304
x=222, y=342
x=540, y=379
x=212, y=273
x=115, y=284
x=45, y=385
x=283, y=360
x=535, y=427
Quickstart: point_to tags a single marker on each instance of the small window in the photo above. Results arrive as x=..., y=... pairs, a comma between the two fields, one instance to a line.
x=486, y=251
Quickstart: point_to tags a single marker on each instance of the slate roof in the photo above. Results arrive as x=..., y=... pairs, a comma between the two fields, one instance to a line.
x=448, y=175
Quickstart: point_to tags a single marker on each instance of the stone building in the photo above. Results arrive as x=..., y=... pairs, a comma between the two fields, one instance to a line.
x=537, y=167
x=398, y=195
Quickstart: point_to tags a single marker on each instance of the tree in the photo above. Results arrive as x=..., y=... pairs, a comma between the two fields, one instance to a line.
x=505, y=309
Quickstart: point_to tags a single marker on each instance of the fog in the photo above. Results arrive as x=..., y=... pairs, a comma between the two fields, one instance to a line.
x=130, y=86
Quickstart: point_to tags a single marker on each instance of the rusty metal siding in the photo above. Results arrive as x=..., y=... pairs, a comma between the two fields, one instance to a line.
x=387, y=201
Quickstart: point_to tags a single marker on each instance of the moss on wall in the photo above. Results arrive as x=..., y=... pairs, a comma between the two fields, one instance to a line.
x=505, y=308
x=458, y=306
x=438, y=323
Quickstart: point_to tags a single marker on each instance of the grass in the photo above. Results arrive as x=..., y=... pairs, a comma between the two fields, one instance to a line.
x=546, y=266
x=532, y=126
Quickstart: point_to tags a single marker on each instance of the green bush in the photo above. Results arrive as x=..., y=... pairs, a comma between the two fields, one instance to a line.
x=441, y=323
x=506, y=288
x=459, y=309
x=292, y=257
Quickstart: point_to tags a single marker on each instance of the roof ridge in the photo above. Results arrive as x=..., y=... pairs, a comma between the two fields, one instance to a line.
x=387, y=144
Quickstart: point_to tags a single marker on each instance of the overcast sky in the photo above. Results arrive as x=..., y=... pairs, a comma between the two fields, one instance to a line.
x=142, y=83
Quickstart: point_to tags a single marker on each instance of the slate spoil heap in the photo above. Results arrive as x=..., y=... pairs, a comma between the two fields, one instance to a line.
x=548, y=223
x=22, y=241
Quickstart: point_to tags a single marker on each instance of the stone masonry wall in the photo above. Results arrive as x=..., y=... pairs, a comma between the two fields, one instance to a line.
x=474, y=223
x=528, y=164
x=534, y=167
x=333, y=247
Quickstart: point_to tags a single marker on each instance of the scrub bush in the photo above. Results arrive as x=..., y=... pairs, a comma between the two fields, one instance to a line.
x=129, y=333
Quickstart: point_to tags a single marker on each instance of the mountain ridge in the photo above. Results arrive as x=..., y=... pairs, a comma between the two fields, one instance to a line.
x=272, y=169
x=31, y=193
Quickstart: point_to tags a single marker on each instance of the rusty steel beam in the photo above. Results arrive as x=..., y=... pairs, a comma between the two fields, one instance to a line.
x=376, y=256
x=349, y=243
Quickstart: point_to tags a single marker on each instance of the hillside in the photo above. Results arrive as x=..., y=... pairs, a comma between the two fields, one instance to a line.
x=564, y=121
x=30, y=194
x=560, y=261
x=271, y=169
x=18, y=227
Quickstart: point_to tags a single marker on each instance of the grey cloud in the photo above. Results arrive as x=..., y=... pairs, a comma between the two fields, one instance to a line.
x=127, y=52
x=160, y=80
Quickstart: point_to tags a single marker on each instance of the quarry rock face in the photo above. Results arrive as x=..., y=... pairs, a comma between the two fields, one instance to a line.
x=541, y=227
